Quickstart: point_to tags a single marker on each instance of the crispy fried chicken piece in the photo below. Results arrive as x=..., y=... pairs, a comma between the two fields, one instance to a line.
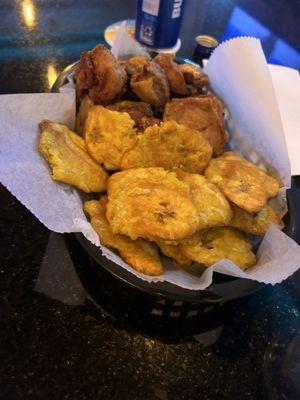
x=100, y=76
x=148, y=121
x=138, y=111
x=150, y=84
x=194, y=75
x=204, y=113
x=135, y=63
x=173, y=73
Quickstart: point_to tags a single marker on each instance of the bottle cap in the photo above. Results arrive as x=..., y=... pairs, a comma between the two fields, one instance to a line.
x=205, y=44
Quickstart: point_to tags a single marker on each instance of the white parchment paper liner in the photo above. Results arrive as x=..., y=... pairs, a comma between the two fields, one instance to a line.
x=239, y=74
x=286, y=82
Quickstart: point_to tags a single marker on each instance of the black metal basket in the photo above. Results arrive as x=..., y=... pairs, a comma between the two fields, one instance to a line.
x=167, y=299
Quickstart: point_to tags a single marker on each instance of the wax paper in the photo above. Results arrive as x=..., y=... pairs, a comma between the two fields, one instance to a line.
x=22, y=170
x=286, y=82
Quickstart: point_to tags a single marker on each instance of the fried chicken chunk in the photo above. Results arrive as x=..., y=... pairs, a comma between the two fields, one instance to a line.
x=136, y=63
x=148, y=121
x=100, y=75
x=243, y=183
x=173, y=73
x=170, y=146
x=194, y=75
x=81, y=117
x=255, y=223
x=141, y=255
x=212, y=245
x=150, y=84
x=66, y=153
x=138, y=110
x=212, y=206
x=108, y=134
x=151, y=203
x=204, y=113
x=173, y=251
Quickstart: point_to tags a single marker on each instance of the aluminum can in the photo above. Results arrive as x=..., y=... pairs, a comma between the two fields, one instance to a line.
x=158, y=22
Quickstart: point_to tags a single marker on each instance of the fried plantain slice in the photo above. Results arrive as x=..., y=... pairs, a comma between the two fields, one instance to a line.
x=66, y=153
x=108, y=134
x=141, y=255
x=151, y=203
x=255, y=223
x=212, y=206
x=81, y=117
x=242, y=182
x=212, y=245
x=173, y=251
x=170, y=146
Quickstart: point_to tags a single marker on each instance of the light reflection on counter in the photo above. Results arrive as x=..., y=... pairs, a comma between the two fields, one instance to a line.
x=29, y=14
x=51, y=75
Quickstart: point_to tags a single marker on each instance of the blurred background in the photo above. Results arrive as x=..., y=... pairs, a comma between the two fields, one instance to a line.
x=39, y=38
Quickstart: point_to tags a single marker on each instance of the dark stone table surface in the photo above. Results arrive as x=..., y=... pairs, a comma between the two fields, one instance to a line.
x=49, y=350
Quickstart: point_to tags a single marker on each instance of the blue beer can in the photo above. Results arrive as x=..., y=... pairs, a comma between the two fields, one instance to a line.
x=158, y=22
